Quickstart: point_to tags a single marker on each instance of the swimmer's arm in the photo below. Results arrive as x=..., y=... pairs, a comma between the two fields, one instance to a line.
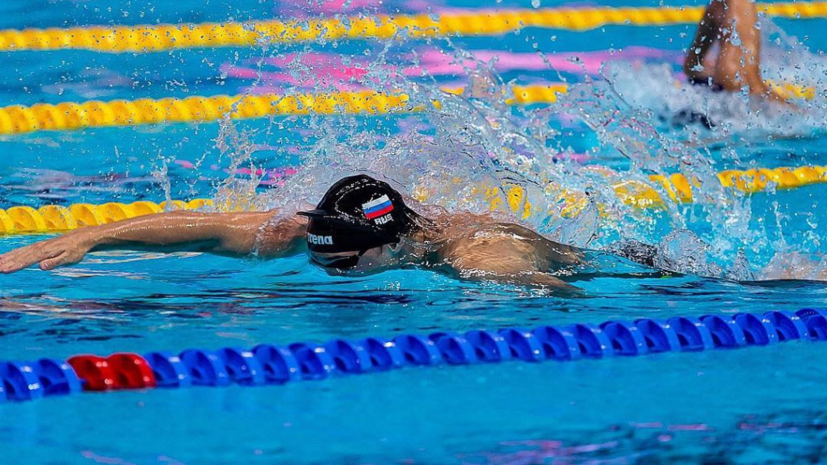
x=751, y=47
x=225, y=233
x=739, y=62
x=705, y=36
x=543, y=280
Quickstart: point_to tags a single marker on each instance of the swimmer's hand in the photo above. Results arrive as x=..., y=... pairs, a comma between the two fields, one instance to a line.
x=50, y=254
x=538, y=280
x=550, y=284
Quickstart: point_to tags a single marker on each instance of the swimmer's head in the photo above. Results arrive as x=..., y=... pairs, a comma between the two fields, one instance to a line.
x=358, y=213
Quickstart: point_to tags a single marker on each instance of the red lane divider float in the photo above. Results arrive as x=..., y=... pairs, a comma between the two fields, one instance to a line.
x=118, y=371
x=271, y=364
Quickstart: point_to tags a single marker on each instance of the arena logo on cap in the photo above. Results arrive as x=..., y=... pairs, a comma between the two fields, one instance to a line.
x=378, y=207
x=319, y=240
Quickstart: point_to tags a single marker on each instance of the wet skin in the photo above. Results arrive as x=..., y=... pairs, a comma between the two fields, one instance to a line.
x=732, y=25
x=469, y=247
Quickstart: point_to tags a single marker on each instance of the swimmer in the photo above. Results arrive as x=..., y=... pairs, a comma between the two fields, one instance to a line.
x=361, y=226
x=732, y=25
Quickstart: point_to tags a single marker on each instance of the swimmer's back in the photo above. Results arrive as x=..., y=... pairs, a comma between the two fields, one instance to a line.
x=511, y=247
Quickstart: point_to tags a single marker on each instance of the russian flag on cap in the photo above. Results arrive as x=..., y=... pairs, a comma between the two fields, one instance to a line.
x=378, y=207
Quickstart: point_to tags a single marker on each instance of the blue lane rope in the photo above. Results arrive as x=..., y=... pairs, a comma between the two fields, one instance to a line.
x=267, y=364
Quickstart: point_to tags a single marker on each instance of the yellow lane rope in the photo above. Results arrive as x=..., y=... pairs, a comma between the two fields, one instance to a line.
x=149, y=38
x=19, y=119
x=56, y=218
x=678, y=188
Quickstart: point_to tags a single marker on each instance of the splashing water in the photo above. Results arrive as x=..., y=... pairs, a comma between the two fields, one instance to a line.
x=479, y=155
x=663, y=89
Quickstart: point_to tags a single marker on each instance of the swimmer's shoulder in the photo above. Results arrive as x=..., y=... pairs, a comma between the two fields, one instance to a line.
x=282, y=233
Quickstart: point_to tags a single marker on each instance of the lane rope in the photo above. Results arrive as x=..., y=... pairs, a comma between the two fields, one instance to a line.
x=20, y=119
x=58, y=218
x=267, y=364
x=153, y=38
x=679, y=188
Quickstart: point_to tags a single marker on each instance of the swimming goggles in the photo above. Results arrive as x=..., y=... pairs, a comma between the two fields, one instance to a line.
x=345, y=263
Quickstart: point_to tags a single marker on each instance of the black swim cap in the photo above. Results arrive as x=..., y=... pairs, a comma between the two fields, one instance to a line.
x=356, y=214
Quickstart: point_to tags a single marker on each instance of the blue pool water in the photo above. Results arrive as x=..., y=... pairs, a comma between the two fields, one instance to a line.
x=756, y=405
